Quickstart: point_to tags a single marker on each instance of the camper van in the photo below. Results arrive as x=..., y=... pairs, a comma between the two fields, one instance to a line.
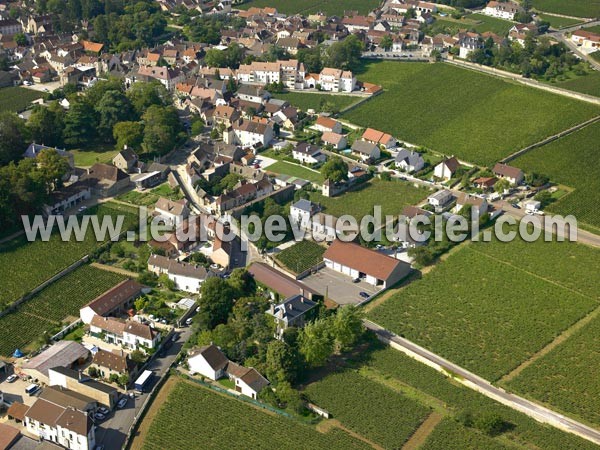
x=32, y=389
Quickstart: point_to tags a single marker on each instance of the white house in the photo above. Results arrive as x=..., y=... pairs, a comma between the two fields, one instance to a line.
x=249, y=133
x=247, y=381
x=446, y=169
x=337, y=141
x=409, y=161
x=115, y=301
x=587, y=40
x=513, y=175
x=502, y=10
x=301, y=213
x=327, y=124
x=187, y=277
x=170, y=210
x=64, y=426
x=440, y=198
x=308, y=153
x=208, y=361
x=336, y=80
x=128, y=334
x=378, y=137
x=366, y=150
x=478, y=204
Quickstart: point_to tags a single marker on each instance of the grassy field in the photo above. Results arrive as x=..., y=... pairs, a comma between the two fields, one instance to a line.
x=25, y=265
x=301, y=256
x=149, y=198
x=381, y=415
x=399, y=372
x=557, y=21
x=17, y=99
x=306, y=101
x=587, y=84
x=577, y=8
x=45, y=312
x=305, y=7
x=485, y=23
x=490, y=306
x=469, y=123
x=594, y=29
x=392, y=196
x=89, y=156
x=572, y=161
x=223, y=422
x=564, y=378
x=293, y=170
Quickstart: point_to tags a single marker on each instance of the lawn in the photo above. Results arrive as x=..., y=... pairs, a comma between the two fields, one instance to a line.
x=489, y=307
x=25, y=265
x=483, y=23
x=17, y=99
x=295, y=170
x=566, y=377
x=46, y=311
x=379, y=414
x=586, y=84
x=392, y=196
x=223, y=422
x=427, y=104
x=594, y=29
x=301, y=256
x=573, y=161
x=150, y=197
x=97, y=154
x=394, y=369
x=577, y=8
x=305, y=7
x=306, y=101
x=557, y=21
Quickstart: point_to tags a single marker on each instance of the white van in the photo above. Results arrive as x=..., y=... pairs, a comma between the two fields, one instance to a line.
x=32, y=389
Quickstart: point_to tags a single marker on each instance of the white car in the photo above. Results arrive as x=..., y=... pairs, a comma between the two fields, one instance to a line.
x=12, y=378
x=121, y=403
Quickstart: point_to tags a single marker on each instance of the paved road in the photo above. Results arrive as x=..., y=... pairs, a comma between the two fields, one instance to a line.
x=112, y=432
x=575, y=49
x=477, y=383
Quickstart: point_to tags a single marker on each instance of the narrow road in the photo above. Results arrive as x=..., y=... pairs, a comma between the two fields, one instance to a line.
x=469, y=379
x=575, y=49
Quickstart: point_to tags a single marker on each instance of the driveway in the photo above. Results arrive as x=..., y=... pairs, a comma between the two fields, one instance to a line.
x=338, y=287
x=44, y=87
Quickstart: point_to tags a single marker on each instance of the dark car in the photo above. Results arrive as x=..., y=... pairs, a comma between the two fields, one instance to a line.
x=363, y=294
x=515, y=205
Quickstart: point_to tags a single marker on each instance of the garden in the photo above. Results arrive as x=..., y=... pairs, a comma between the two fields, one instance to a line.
x=17, y=99
x=301, y=256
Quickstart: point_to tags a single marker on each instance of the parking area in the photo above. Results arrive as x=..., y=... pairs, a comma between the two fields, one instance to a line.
x=339, y=287
x=15, y=391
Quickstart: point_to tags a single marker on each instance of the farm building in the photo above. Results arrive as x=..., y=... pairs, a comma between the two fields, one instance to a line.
x=61, y=354
x=114, y=301
x=280, y=283
x=77, y=382
x=360, y=262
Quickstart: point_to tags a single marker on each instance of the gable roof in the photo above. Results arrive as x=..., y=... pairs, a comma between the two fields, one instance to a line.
x=451, y=163
x=278, y=281
x=115, y=297
x=113, y=361
x=215, y=358
x=377, y=136
x=63, y=353
x=362, y=259
x=364, y=147
x=103, y=171
x=507, y=171
x=326, y=122
x=330, y=137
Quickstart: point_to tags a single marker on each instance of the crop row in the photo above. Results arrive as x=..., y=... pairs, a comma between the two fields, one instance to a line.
x=374, y=411
x=197, y=418
x=301, y=256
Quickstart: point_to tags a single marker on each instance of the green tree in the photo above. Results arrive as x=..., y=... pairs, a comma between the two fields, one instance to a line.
x=128, y=133
x=346, y=327
x=161, y=129
x=501, y=186
x=46, y=123
x=144, y=95
x=281, y=362
x=345, y=54
x=335, y=169
x=123, y=380
x=52, y=168
x=386, y=42
x=80, y=124
x=316, y=343
x=216, y=302
x=20, y=39
x=544, y=197
x=138, y=356
x=12, y=137
x=113, y=108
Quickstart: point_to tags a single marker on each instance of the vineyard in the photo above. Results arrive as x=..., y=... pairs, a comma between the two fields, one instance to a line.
x=17, y=99
x=46, y=311
x=367, y=408
x=301, y=256
x=560, y=160
x=566, y=377
x=25, y=265
x=391, y=366
x=463, y=310
x=198, y=418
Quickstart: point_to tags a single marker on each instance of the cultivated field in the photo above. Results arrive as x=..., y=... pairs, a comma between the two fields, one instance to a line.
x=587, y=84
x=46, y=311
x=198, y=418
x=392, y=196
x=577, y=8
x=485, y=23
x=428, y=104
x=375, y=412
x=17, y=99
x=560, y=160
x=25, y=265
x=558, y=21
x=330, y=7
x=567, y=378
x=149, y=198
x=301, y=256
x=463, y=310
x=403, y=374
x=306, y=101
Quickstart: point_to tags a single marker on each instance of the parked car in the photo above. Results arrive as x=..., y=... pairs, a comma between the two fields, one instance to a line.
x=356, y=280
x=121, y=403
x=515, y=205
x=103, y=410
x=189, y=321
x=99, y=416
x=364, y=294
x=12, y=378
